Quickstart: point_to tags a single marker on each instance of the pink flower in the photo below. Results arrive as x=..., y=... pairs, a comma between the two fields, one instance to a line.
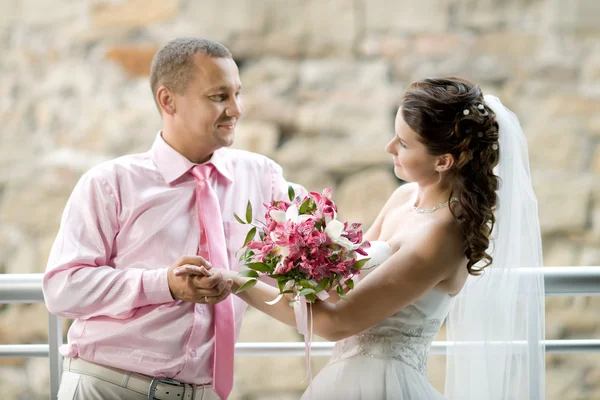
x=305, y=228
x=284, y=267
x=317, y=238
x=326, y=208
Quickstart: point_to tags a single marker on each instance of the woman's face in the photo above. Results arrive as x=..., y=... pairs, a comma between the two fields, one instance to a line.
x=412, y=162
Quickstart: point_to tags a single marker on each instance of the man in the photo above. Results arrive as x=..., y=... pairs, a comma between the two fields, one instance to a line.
x=131, y=222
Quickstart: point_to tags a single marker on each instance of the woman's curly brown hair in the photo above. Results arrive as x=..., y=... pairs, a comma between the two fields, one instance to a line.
x=450, y=117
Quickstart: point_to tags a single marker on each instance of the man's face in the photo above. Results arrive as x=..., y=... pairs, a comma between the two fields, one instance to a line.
x=207, y=113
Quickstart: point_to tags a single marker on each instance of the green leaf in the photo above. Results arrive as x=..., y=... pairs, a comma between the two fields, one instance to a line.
x=322, y=285
x=273, y=260
x=311, y=298
x=247, y=285
x=340, y=292
x=350, y=284
x=258, y=266
x=305, y=205
x=343, y=296
x=239, y=219
x=246, y=257
x=361, y=263
x=249, y=273
x=306, y=284
x=281, y=283
x=308, y=291
x=250, y=236
x=291, y=193
x=319, y=225
x=287, y=292
x=249, y=212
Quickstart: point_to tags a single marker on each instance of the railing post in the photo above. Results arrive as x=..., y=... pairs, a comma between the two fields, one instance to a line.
x=55, y=336
x=536, y=388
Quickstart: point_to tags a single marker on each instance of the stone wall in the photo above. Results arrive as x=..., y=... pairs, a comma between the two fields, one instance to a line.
x=322, y=79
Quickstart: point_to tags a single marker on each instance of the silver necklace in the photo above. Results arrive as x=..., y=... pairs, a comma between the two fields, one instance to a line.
x=434, y=208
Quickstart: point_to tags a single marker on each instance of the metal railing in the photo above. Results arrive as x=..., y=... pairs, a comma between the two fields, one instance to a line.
x=27, y=288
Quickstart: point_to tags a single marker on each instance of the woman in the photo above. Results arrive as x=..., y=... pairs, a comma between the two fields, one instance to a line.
x=432, y=235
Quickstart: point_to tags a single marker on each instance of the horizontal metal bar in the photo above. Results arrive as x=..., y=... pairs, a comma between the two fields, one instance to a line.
x=559, y=281
x=255, y=349
x=572, y=281
x=437, y=348
x=21, y=288
x=24, y=350
x=551, y=346
x=573, y=346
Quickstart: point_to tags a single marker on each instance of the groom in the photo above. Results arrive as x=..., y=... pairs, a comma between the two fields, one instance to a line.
x=140, y=329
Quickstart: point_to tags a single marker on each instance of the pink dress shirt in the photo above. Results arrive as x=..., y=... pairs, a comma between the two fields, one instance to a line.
x=126, y=222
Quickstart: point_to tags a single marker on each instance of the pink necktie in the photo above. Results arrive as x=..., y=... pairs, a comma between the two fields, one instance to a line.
x=212, y=224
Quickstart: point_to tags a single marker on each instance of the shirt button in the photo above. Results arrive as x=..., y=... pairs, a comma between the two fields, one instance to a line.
x=193, y=354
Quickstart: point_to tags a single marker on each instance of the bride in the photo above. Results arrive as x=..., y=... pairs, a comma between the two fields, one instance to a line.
x=469, y=206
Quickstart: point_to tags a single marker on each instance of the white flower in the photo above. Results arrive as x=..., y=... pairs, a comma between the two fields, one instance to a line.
x=291, y=215
x=334, y=230
x=278, y=216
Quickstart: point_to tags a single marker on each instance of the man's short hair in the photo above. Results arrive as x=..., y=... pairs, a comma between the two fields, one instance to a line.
x=173, y=65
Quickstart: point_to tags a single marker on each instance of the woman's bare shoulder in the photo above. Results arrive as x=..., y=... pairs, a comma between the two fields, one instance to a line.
x=404, y=193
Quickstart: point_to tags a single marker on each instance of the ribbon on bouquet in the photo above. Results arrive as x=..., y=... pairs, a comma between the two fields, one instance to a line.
x=301, y=313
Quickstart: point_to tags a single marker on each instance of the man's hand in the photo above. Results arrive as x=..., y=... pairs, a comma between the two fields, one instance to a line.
x=191, y=279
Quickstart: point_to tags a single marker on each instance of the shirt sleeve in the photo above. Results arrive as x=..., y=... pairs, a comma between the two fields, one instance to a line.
x=280, y=185
x=79, y=281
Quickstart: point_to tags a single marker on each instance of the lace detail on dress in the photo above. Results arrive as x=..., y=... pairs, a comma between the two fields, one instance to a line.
x=405, y=342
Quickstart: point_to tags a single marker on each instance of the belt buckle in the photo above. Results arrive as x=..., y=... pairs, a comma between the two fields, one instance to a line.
x=156, y=381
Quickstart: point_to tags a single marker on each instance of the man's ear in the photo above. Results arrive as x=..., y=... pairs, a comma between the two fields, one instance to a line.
x=166, y=100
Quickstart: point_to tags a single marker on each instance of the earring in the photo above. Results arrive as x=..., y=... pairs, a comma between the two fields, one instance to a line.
x=440, y=177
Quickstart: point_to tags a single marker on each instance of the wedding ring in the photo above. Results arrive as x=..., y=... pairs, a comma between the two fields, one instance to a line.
x=206, y=299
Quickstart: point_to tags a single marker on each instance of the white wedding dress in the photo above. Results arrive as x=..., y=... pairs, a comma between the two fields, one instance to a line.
x=388, y=360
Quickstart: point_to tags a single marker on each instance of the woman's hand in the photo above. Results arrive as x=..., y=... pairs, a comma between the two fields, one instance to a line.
x=199, y=284
x=193, y=270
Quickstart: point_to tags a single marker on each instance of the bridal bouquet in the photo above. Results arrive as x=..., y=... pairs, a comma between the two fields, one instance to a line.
x=304, y=247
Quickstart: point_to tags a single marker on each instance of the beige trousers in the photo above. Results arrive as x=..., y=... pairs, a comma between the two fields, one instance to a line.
x=84, y=386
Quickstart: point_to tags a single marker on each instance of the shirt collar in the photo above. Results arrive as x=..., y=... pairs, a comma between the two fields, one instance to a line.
x=172, y=164
x=220, y=159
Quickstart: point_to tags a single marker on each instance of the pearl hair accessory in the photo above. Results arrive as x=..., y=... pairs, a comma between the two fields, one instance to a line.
x=481, y=107
x=479, y=134
x=495, y=146
x=466, y=112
